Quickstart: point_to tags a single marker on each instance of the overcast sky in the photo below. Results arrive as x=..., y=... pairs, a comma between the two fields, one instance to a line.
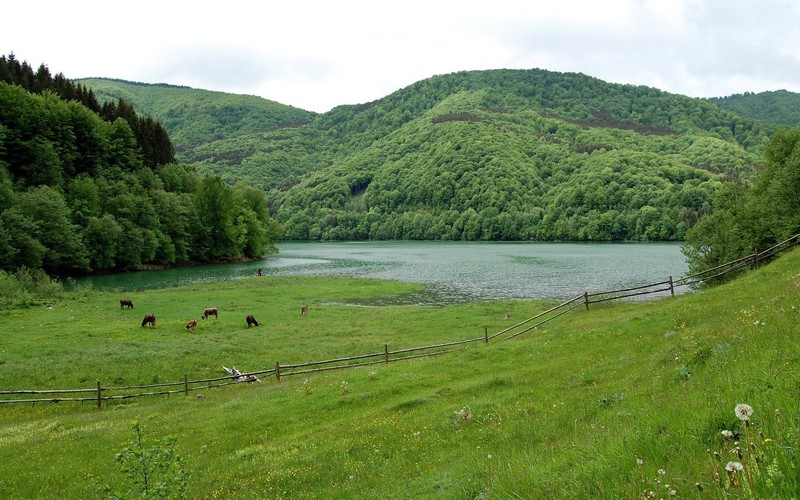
x=317, y=54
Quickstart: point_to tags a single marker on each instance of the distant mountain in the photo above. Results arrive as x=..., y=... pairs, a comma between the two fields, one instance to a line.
x=479, y=155
x=781, y=106
x=193, y=116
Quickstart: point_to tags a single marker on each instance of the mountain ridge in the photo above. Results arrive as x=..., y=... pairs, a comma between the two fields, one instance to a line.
x=328, y=177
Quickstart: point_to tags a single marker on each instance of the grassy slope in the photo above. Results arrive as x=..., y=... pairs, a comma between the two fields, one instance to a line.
x=564, y=411
x=196, y=116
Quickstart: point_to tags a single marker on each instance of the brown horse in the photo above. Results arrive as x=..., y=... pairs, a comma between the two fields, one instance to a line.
x=149, y=319
x=126, y=303
x=304, y=310
x=251, y=321
x=211, y=311
x=191, y=325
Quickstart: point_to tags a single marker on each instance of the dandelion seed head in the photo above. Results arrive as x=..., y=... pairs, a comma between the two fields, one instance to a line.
x=743, y=412
x=734, y=466
x=727, y=434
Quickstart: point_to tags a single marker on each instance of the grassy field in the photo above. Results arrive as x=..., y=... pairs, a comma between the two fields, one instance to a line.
x=623, y=401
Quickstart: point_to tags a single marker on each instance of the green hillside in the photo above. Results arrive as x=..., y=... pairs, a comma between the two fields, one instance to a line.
x=621, y=401
x=781, y=106
x=194, y=116
x=488, y=155
x=521, y=155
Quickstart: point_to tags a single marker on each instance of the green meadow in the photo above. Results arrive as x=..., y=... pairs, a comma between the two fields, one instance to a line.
x=626, y=400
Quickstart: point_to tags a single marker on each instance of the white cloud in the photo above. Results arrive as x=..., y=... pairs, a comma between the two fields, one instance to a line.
x=316, y=54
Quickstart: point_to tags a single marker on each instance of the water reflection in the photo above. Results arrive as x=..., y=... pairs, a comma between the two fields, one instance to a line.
x=454, y=272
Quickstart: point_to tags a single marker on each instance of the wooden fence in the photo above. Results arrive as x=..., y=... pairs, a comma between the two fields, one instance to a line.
x=109, y=394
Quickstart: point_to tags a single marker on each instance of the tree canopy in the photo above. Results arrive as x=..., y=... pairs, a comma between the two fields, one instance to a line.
x=79, y=193
x=751, y=217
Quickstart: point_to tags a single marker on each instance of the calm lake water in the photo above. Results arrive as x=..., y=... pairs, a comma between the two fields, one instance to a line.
x=454, y=272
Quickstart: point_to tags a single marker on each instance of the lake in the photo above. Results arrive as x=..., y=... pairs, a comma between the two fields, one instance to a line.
x=454, y=272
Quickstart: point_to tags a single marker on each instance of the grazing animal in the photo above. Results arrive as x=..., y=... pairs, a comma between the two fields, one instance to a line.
x=304, y=310
x=149, y=318
x=211, y=311
x=126, y=303
x=191, y=325
x=251, y=321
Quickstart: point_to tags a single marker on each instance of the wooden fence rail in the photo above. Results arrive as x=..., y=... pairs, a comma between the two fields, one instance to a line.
x=630, y=292
x=100, y=393
x=532, y=318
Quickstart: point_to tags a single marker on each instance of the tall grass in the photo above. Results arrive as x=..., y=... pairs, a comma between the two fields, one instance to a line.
x=26, y=287
x=623, y=401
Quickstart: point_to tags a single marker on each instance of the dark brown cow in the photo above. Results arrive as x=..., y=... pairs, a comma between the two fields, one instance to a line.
x=211, y=311
x=304, y=310
x=126, y=303
x=251, y=321
x=191, y=325
x=149, y=319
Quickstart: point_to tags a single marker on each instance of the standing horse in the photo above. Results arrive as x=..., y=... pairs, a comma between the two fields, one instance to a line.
x=304, y=310
x=126, y=303
x=211, y=311
x=149, y=319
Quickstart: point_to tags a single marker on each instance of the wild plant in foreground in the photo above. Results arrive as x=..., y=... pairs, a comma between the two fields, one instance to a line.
x=760, y=467
x=154, y=472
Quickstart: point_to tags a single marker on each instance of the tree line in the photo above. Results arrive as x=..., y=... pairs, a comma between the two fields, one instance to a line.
x=79, y=193
x=151, y=138
x=751, y=216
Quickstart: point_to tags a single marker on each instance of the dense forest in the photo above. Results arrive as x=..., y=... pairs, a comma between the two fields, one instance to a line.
x=196, y=117
x=86, y=187
x=780, y=106
x=503, y=154
x=751, y=217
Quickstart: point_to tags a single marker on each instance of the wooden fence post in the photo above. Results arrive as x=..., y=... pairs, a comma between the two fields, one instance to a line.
x=755, y=259
x=278, y=371
x=186, y=384
x=586, y=299
x=486, y=334
x=99, y=396
x=386, y=352
x=671, y=287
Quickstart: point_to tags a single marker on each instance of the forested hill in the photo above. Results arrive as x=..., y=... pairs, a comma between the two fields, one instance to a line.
x=780, y=106
x=193, y=116
x=501, y=154
x=86, y=187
